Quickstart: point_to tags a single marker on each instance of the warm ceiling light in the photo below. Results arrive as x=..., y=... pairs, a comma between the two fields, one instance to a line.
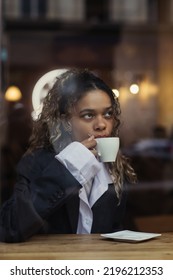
x=41, y=89
x=134, y=88
x=116, y=92
x=13, y=94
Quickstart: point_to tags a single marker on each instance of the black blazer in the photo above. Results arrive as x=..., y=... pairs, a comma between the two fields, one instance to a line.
x=46, y=200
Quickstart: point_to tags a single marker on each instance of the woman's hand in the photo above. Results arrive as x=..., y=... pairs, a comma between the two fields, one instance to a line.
x=91, y=144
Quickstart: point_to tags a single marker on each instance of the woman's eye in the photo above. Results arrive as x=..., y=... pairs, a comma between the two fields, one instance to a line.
x=109, y=114
x=87, y=116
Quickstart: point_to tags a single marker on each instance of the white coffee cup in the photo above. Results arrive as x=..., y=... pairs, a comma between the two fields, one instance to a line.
x=107, y=148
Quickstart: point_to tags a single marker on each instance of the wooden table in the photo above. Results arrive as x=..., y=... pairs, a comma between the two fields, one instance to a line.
x=87, y=247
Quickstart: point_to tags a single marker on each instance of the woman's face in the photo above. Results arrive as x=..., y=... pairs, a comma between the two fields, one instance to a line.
x=92, y=115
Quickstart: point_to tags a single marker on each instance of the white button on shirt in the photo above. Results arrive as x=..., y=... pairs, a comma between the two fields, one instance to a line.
x=91, y=174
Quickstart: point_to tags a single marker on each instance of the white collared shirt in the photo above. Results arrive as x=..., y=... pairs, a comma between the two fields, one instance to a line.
x=91, y=174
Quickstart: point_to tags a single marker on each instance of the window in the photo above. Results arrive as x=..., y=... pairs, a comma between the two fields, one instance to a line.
x=34, y=8
x=97, y=10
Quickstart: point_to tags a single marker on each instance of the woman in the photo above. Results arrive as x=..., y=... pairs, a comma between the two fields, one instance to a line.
x=62, y=187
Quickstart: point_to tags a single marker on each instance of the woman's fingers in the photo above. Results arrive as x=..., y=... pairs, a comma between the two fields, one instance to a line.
x=90, y=144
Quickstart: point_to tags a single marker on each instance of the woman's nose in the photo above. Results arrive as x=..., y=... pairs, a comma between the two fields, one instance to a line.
x=100, y=123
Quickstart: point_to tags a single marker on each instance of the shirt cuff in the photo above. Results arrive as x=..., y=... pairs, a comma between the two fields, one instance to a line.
x=81, y=163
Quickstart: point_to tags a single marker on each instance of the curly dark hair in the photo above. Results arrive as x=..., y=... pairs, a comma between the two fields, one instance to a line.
x=49, y=131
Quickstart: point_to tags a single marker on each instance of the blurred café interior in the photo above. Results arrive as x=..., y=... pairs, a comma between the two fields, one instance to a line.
x=129, y=43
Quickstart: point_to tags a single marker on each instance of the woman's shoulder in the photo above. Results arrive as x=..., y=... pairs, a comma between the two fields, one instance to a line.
x=35, y=160
x=39, y=154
